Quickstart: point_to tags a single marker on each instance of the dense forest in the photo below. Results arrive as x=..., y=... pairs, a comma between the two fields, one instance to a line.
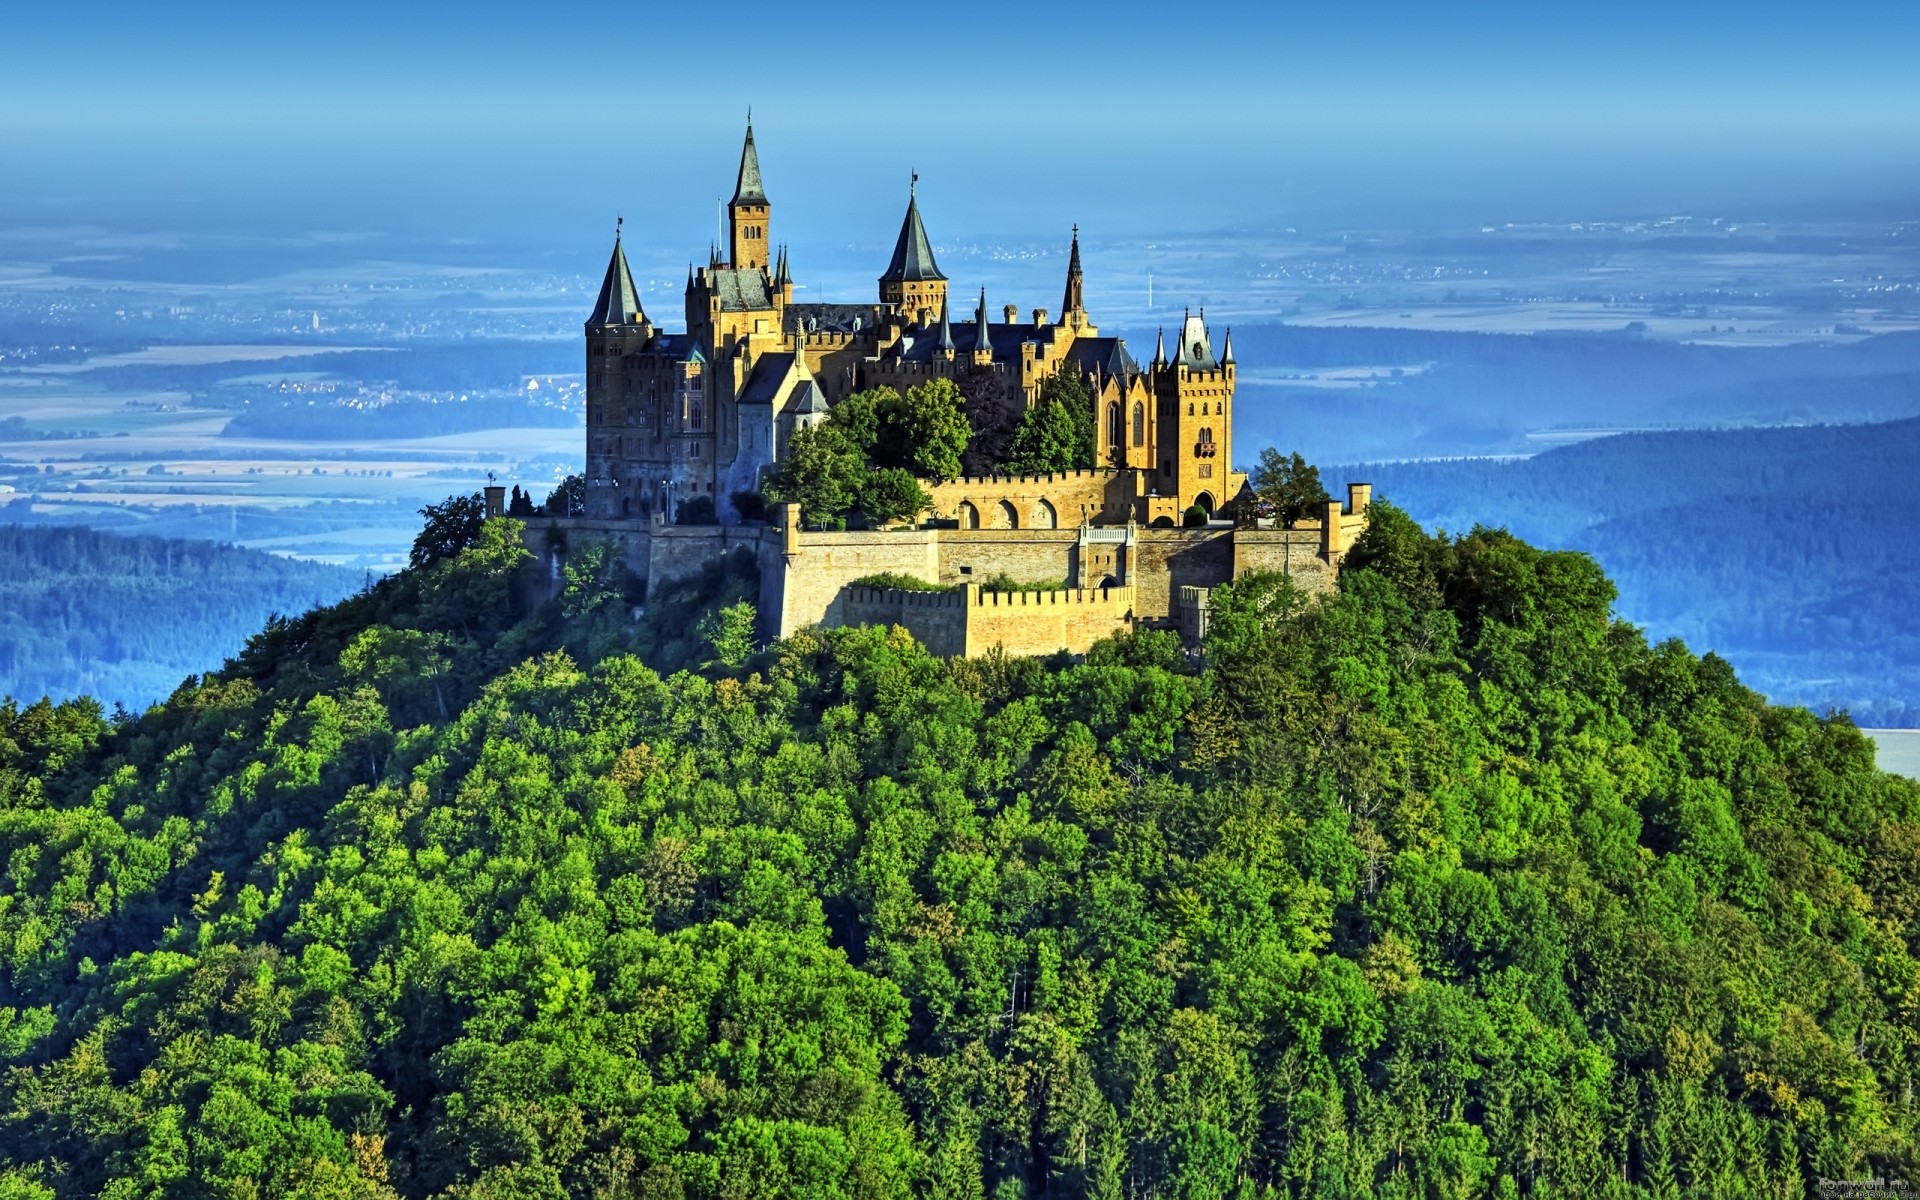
x=1448, y=884
x=1790, y=550
x=124, y=619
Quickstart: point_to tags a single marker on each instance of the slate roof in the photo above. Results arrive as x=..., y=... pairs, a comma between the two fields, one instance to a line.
x=769, y=372
x=1195, y=350
x=619, y=302
x=1106, y=355
x=741, y=289
x=807, y=398
x=748, y=189
x=913, y=253
x=835, y=318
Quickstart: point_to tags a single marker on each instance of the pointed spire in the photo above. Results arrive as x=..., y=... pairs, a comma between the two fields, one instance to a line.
x=748, y=189
x=946, y=330
x=1075, y=299
x=780, y=269
x=1226, y=349
x=983, y=334
x=1160, y=350
x=912, y=253
x=619, y=302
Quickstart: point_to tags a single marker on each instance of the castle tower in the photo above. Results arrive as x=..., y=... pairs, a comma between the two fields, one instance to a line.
x=912, y=284
x=1073, y=308
x=982, y=334
x=1195, y=431
x=748, y=212
x=617, y=329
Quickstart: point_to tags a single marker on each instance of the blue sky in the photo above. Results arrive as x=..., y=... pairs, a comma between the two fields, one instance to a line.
x=501, y=120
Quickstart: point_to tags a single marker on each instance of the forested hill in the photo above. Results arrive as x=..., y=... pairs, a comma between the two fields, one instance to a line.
x=124, y=619
x=1447, y=885
x=1788, y=550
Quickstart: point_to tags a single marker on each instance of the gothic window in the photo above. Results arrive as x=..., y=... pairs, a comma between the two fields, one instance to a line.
x=698, y=421
x=1139, y=423
x=1114, y=433
x=1189, y=408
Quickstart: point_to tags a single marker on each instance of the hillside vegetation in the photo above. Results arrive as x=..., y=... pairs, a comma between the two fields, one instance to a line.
x=1790, y=551
x=1446, y=885
x=124, y=619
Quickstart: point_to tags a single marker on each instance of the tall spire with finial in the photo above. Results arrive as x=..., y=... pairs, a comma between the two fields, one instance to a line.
x=912, y=253
x=1075, y=300
x=946, y=329
x=1226, y=349
x=619, y=302
x=983, y=341
x=747, y=188
x=1160, y=349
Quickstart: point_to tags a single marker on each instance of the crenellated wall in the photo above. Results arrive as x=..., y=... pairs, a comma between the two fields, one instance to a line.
x=969, y=621
x=1156, y=575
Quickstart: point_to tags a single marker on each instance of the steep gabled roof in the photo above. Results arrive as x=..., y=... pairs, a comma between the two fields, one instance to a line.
x=913, y=253
x=619, y=302
x=741, y=289
x=1195, y=348
x=748, y=189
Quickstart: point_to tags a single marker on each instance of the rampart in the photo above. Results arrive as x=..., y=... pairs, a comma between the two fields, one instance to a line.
x=1114, y=576
x=1065, y=500
x=969, y=620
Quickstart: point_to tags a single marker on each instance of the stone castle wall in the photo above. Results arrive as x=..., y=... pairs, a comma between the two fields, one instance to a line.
x=1062, y=501
x=968, y=621
x=1161, y=576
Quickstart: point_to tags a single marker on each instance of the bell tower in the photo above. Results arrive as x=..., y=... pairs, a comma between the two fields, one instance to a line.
x=748, y=212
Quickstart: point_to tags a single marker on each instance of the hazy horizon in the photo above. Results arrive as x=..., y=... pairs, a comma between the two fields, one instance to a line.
x=513, y=127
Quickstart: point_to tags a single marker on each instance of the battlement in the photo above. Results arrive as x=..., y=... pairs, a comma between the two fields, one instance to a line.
x=981, y=598
x=1082, y=475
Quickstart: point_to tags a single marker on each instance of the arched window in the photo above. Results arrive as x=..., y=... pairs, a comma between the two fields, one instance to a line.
x=969, y=515
x=1113, y=425
x=1005, y=517
x=698, y=416
x=1044, y=517
x=1189, y=408
x=1206, y=433
x=1139, y=423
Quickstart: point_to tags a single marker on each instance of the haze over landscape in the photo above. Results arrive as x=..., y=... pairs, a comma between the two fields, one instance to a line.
x=280, y=278
x=815, y=782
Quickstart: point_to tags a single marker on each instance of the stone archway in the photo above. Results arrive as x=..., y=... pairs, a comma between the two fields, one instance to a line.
x=1005, y=516
x=1205, y=500
x=968, y=515
x=1044, y=516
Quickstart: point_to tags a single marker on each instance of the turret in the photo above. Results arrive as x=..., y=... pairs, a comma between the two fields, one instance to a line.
x=945, y=346
x=983, y=334
x=912, y=284
x=748, y=212
x=1073, y=308
x=619, y=302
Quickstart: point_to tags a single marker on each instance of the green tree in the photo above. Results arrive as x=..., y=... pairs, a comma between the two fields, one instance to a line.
x=820, y=472
x=730, y=631
x=857, y=417
x=924, y=431
x=1289, y=483
x=892, y=494
x=1070, y=392
x=1046, y=440
x=568, y=499
x=451, y=526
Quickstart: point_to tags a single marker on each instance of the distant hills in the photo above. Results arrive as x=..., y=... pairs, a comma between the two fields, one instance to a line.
x=127, y=618
x=1790, y=551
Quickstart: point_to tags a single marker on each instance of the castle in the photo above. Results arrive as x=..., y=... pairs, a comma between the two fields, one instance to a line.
x=674, y=419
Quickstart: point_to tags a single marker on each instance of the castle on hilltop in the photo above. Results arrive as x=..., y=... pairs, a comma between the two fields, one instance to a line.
x=674, y=419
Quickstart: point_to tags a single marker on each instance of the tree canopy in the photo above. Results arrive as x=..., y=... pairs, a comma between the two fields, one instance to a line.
x=1446, y=884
